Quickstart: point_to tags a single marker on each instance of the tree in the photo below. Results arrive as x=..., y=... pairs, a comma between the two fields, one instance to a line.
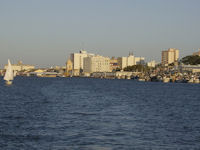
x=137, y=68
x=117, y=69
x=191, y=60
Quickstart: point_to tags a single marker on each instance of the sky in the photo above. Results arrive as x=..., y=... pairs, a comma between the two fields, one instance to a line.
x=45, y=32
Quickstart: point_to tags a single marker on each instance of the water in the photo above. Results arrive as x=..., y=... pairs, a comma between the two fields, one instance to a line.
x=98, y=114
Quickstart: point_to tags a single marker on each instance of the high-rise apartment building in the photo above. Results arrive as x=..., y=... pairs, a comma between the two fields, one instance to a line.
x=96, y=64
x=77, y=61
x=170, y=56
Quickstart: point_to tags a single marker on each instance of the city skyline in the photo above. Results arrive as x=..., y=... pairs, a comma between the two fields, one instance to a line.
x=44, y=33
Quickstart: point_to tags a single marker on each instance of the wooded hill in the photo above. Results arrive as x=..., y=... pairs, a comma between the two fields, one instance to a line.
x=191, y=60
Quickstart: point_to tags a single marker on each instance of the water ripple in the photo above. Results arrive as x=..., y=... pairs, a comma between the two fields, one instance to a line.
x=98, y=114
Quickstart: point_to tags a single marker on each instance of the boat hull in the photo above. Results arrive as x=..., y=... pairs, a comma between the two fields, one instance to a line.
x=8, y=82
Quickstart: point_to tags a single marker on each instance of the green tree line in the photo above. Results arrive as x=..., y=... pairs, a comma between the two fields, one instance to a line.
x=191, y=60
x=137, y=68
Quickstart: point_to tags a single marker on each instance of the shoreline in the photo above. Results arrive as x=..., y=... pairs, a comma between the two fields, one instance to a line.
x=116, y=78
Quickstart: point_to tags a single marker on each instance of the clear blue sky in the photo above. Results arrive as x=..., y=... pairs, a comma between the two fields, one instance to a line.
x=45, y=32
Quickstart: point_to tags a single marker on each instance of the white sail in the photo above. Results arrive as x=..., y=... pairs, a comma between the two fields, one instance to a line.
x=9, y=72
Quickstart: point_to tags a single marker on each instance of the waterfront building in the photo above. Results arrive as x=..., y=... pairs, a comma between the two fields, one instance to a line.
x=151, y=63
x=58, y=67
x=170, y=56
x=77, y=61
x=113, y=64
x=126, y=61
x=96, y=64
x=43, y=73
x=38, y=72
x=190, y=68
x=139, y=60
x=20, y=67
x=69, y=67
x=197, y=53
x=130, y=61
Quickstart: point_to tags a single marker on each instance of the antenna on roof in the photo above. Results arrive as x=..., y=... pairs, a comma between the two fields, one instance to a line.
x=130, y=53
x=82, y=46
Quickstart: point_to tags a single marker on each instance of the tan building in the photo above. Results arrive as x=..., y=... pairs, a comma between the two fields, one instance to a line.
x=20, y=67
x=113, y=64
x=197, y=53
x=170, y=56
x=69, y=67
x=151, y=63
x=38, y=72
x=139, y=60
x=96, y=64
x=192, y=68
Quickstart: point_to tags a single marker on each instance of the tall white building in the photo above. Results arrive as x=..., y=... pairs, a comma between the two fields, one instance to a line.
x=126, y=61
x=130, y=61
x=96, y=64
x=77, y=61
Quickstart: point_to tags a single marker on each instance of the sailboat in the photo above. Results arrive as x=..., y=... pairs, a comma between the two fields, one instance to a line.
x=9, y=76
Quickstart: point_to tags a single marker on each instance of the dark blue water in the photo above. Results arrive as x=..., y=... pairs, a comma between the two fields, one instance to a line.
x=98, y=114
